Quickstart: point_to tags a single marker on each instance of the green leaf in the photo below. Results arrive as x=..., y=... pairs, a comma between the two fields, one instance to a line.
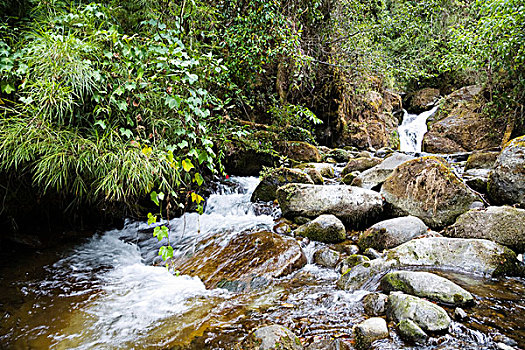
x=199, y=179
x=101, y=123
x=173, y=102
x=187, y=165
x=8, y=88
x=196, y=198
x=154, y=198
x=166, y=252
x=126, y=132
x=122, y=105
x=160, y=232
x=160, y=196
x=151, y=219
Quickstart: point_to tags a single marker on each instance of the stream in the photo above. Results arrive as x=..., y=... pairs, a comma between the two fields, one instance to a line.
x=108, y=293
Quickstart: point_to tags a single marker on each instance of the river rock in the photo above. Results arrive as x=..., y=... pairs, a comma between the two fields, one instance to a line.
x=426, y=187
x=355, y=206
x=391, y=233
x=507, y=179
x=246, y=261
x=272, y=337
x=340, y=155
x=481, y=160
x=460, y=314
x=459, y=97
x=411, y=332
x=327, y=257
x=271, y=181
x=469, y=256
x=374, y=177
x=426, y=315
x=315, y=175
x=349, y=178
x=426, y=285
x=299, y=151
x=326, y=228
x=360, y=164
x=325, y=169
x=244, y=161
x=422, y=100
x=351, y=261
x=370, y=330
x=375, y=304
x=504, y=225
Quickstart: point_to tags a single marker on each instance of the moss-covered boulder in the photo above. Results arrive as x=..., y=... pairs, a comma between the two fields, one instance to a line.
x=411, y=332
x=426, y=285
x=481, y=160
x=507, y=180
x=325, y=228
x=391, y=233
x=426, y=315
x=355, y=206
x=266, y=190
x=299, y=151
x=360, y=164
x=245, y=261
x=242, y=160
x=504, y=225
x=315, y=175
x=375, y=176
x=351, y=261
x=325, y=169
x=427, y=187
x=422, y=100
x=272, y=337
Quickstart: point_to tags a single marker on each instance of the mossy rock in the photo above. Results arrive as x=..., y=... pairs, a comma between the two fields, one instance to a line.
x=360, y=164
x=266, y=190
x=426, y=315
x=325, y=228
x=272, y=337
x=481, y=160
x=299, y=151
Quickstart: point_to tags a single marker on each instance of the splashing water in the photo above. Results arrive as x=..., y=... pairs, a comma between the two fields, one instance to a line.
x=412, y=130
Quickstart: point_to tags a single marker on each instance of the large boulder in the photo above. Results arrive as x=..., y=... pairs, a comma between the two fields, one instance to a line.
x=422, y=100
x=360, y=164
x=504, y=225
x=299, y=151
x=469, y=256
x=507, y=180
x=272, y=337
x=481, y=160
x=266, y=190
x=427, y=187
x=411, y=332
x=426, y=315
x=325, y=228
x=244, y=161
x=426, y=285
x=455, y=99
x=246, y=261
x=374, y=177
x=369, y=331
x=391, y=233
x=355, y=206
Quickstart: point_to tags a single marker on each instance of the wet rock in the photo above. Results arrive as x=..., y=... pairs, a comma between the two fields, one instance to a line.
x=325, y=228
x=375, y=304
x=347, y=248
x=349, y=178
x=372, y=253
x=426, y=187
x=329, y=344
x=426, y=315
x=422, y=100
x=315, y=175
x=340, y=155
x=507, y=179
x=243, y=262
x=370, y=330
x=460, y=314
x=504, y=225
x=391, y=233
x=469, y=256
x=355, y=206
x=283, y=227
x=374, y=177
x=481, y=160
x=351, y=261
x=455, y=99
x=241, y=160
x=384, y=152
x=299, y=151
x=426, y=285
x=271, y=181
x=273, y=337
x=360, y=164
x=411, y=332
x=325, y=169
x=327, y=257
x=477, y=183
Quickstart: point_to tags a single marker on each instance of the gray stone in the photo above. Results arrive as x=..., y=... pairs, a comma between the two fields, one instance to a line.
x=504, y=225
x=374, y=177
x=266, y=189
x=315, y=175
x=327, y=257
x=469, y=256
x=375, y=304
x=460, y=314
x=272, y=337
x=391, y=233
x=325, y=169
x=507, y=179
x=481, y=160
x=326, y=228
x=370, y=330
x=426, y=315
x=411, y=332
x=355, y=206
x=426, y=285
x=372, y=253
x=360, y=164
x=351, y=261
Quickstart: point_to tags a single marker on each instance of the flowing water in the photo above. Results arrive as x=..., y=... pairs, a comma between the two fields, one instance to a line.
x=412, y=129
x=109, y=293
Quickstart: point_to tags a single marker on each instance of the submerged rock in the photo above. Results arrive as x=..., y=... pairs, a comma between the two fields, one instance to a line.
x=267, y=188
x=327, y=257
x=427, y=188
x=507, y=180
x=325, y=228
x=374, y=177
x=391, y=233
x=426, y=285
x=504, y=225
x=426, y=315
x=471, y=256
x=355, y=206
x=370, y=330
x=273, y=337
x=411, y=332
x=246, y=261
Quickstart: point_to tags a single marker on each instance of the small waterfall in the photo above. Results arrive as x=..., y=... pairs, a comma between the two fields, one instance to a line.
x=412, y=130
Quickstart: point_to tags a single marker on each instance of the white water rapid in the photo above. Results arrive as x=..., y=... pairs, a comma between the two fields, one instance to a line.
x=412, y=129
